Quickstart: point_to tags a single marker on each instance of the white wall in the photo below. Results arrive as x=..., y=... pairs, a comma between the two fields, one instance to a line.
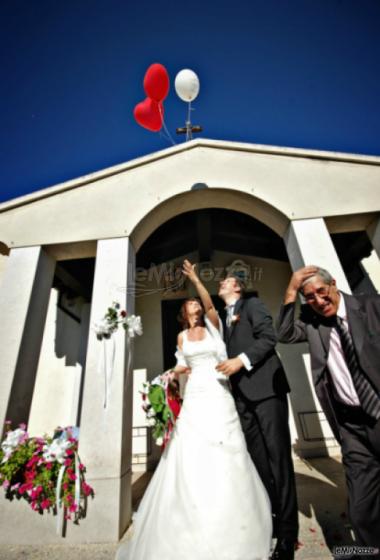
x=3, y=263
x=57, y=387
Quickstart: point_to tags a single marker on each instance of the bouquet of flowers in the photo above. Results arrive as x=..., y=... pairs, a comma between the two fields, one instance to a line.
x=44, y=471
x=162, y=405
x=115, y=317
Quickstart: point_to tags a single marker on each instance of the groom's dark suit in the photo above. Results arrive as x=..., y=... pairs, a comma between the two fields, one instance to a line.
x=358, y=434
x=261, y=401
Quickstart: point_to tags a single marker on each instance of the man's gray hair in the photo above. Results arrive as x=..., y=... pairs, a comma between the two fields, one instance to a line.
x=323, y=274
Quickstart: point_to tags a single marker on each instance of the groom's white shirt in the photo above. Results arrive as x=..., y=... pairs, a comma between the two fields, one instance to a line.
x=230, y=312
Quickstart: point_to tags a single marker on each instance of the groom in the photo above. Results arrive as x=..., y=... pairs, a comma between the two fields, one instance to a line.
x=259, y=387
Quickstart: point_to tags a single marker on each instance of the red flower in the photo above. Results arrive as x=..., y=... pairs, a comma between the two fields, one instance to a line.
x=68, y=462
x=36, y=492
x=30, y=475
x=175, y=406
x=32, y=461
x=87, y=490
x=24, y=487
x=45, y=504
x=123, y=313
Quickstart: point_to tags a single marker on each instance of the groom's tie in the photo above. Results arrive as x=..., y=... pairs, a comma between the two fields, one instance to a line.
x=230, y=312
x=368, y=397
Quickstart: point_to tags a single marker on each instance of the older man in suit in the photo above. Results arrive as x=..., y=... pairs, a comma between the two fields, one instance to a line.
x=343, y=333
x=260, y=389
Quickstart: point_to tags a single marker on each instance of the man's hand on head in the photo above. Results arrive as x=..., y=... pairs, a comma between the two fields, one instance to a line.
x=296, y=281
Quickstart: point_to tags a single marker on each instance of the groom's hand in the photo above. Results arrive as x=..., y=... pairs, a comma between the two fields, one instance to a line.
x=229, y=367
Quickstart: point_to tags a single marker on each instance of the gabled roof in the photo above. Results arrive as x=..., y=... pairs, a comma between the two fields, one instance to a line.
x=272, y=184
x=187, y=146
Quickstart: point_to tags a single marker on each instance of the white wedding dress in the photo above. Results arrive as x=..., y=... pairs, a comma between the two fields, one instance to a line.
x=205, y=500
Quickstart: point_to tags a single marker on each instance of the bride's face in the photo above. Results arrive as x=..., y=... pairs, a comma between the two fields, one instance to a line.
x=193, y=308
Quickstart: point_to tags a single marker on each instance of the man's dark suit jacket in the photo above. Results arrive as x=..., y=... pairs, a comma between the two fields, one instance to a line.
x=363, y=313
x=253, y=334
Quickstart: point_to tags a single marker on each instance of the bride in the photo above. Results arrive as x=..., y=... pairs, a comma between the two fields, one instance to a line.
x=205, y=500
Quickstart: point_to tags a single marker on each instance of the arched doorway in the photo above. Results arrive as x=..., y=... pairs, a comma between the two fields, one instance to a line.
x=216, y=239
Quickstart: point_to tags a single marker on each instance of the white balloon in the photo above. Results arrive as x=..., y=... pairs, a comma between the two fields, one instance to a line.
x=186, y=85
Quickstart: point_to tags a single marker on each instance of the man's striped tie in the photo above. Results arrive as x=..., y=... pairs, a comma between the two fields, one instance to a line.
x=368, y=396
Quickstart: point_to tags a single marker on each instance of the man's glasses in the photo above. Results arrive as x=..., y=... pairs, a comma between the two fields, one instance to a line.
x=322, y=292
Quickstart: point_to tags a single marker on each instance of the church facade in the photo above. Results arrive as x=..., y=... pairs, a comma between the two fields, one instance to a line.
x=69, y=251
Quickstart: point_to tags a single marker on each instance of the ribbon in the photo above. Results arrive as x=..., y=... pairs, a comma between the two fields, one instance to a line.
x=60, y=509
x=106, y=365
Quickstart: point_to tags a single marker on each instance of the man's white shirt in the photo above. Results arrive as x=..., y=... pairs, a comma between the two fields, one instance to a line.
x=343, y=386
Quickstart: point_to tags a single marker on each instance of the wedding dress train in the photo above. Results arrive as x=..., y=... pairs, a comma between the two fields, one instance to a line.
x=205, y=500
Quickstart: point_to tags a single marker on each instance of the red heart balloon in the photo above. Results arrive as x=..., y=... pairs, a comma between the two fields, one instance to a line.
x=156, y=82
x=149, y=114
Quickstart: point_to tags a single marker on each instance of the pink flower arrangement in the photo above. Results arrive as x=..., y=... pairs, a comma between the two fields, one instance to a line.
x=29, y=470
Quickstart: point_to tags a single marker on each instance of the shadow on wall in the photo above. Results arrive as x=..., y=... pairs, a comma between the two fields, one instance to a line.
x=71, y=338
x=307, y=418
x=70, y=330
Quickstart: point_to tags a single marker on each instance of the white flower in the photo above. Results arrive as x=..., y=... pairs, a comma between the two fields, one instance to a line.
x=56, y=451
x=14, y=437
x=151, y=413
x=159, y=441
x=151, y=421
x=134, y=325
x=103, y=328
x=159, y=380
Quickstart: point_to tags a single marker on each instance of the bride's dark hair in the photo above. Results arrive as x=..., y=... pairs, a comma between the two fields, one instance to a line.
x=182, y=316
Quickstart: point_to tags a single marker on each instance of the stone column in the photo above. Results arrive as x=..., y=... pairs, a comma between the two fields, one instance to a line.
x=24, y=298
x=373, y=232
x=106, y=427
x=309, y=242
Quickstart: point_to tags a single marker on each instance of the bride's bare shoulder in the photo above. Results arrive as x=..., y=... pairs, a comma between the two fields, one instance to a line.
x=180, y=339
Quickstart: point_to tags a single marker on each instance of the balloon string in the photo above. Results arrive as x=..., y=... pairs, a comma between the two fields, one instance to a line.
x=168, y=135
x=188, y=123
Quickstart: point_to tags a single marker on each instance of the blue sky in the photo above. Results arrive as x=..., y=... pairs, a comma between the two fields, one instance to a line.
x=301, y=73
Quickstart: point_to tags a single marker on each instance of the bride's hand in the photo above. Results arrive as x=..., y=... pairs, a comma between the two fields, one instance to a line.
x=188, y=270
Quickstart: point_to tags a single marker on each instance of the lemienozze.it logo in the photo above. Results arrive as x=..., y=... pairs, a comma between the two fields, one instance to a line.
x=346, y=551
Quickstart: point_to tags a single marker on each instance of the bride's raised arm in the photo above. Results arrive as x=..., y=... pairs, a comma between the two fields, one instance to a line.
x=188, y=270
